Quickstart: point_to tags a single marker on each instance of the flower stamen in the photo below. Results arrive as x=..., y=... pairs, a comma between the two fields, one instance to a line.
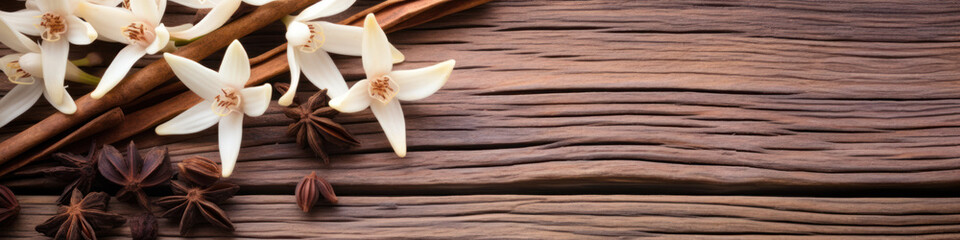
x=137, y=32
x=53, y=26
x=317, y=38
x=126, y=4
x=17, y=75
x=383, y=89
x=228, y=101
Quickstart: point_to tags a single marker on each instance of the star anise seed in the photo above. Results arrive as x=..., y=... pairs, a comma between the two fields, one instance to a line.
x=9, y=206
x=82, y=218
x=143, y=227
x=199, y=171
x=314, y=124
x=134, y=173
x=194, y=204
x=311, y=188
x=80, y=171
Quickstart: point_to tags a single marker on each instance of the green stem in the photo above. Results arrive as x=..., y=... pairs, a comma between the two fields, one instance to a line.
x=87, y=79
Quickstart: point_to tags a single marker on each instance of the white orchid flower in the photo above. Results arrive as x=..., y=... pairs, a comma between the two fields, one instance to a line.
x=139, y=28
x=26, y=70
x=384, y=87
x=54, y=21
x=225, y=100
x=218, y=15
x=203, y=4
x=308, y=44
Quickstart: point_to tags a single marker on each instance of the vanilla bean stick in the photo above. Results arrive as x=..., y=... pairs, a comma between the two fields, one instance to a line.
x=109, y=119
x=147, y=78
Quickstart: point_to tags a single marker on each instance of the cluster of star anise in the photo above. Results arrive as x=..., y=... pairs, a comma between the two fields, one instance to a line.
x=83, y=215
x=197, y=193
x=314, y=126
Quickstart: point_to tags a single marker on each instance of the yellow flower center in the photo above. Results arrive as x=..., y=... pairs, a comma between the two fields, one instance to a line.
x=16, y=75
x=316, y=38
x=383, y=89
x=53, y=25
x=228, y=101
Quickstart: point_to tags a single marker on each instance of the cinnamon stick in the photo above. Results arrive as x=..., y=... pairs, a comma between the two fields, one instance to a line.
x=147, y=78
x=107, y=120
x=393, y=15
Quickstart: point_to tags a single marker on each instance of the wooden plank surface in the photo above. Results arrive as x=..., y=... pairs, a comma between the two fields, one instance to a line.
x=638, y=97
x=715, y=96
x=560, y=217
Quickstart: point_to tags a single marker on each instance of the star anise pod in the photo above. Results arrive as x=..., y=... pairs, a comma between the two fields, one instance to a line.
x=9, y=206
x=314, y=126
x=80, y=171
x=200, y=171
x=81, y=218
x=191, y=205
x=134, y=172
x=143, y=227
x=311, y=188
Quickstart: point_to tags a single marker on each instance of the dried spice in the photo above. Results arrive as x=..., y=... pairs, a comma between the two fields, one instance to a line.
x=311, y=188
x=314, y=126
x=9, y=206
x=143, y=227
x=193, y=205
x=81, y=218
x=134, y=172
x=82, y=171
x=199, y=171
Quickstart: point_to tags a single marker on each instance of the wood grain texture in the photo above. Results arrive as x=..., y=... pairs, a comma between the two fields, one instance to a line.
x=716, y=96
x=558, y=217
x=635, y=97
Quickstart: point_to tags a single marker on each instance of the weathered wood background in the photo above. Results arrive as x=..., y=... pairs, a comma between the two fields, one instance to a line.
x=761, y=119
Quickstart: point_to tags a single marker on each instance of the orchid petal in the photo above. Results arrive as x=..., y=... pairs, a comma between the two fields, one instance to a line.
x=17, y=101
x=231, y=131
x=60, y=7
x=287, y=97
x=216, y=18
x=146, y=9
x=257, y=2
x=118, y=69
x=391, y=120
x=356, y=99
x=16, y=40
x=66, y=104
x=322, y=72
x=160, y=41
x=324, y=8
x=108, y=21
x=235, y=68
x=180, y=28
x=80, y=32
x=32, y=64
x=297, y=34
x=256, y=99
x=377, y=59
x=196, y=4
x=109, y=3
x=342, y=39
x=201, y=80
x=197, y=118
x=161, y=8
x=54, y=57
x=25, y=21
x=416, y=84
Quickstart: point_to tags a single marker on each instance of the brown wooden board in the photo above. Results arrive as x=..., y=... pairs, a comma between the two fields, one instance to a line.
x=637, y=97
x=559, y=217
